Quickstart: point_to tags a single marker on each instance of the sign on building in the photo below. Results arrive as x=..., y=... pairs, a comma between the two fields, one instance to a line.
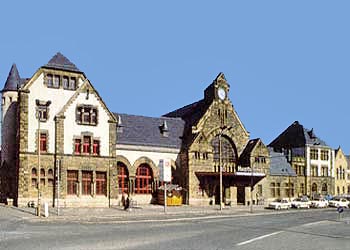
x=165, y=170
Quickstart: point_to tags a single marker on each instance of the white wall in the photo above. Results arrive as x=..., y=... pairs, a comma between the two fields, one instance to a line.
x=71, y=128
x=58, y=98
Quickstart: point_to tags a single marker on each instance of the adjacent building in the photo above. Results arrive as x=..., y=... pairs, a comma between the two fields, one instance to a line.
x=311, y=158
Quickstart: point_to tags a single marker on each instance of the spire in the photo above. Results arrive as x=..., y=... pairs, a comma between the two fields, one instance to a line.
x=13, y=81
x=59, y=61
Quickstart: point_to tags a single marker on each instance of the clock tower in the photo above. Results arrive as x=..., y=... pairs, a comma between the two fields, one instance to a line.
x=218, y=90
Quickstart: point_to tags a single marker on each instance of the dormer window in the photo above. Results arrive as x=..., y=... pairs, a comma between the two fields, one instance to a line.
x=72, y=83
x=65, y=82
x=56, y=81
x=49, y=78
x=86, y=115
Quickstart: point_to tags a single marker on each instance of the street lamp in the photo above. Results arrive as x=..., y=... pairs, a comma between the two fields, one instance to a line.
x=251, y=188
x=220, y=171
x=38, y=114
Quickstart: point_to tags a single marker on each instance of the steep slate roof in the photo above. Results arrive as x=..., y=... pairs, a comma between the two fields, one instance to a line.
x=296, y=136
x=59, y=61
x=279, y=165
x=146, y=131
x=13, y=81
x=244, y=158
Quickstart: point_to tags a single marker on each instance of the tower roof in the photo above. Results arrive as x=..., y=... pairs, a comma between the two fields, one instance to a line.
x=13, y=80
x=61, y=62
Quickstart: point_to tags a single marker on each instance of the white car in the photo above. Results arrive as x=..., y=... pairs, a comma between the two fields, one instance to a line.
x=339, y=202
x=318, y=203
x=301, y=203
x=280, y=204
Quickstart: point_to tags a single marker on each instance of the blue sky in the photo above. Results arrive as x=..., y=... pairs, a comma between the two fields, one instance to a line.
x=284, y=60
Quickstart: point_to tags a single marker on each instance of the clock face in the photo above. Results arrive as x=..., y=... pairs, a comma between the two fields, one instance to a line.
x=221, y=93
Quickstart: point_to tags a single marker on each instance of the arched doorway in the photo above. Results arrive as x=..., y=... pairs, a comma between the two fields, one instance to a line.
x=225, y=153
x=123, y=178
x=144, y=179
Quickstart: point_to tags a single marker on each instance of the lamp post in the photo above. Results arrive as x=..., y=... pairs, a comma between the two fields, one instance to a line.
x=251, y=188
x=220, y=170
x=39, y=172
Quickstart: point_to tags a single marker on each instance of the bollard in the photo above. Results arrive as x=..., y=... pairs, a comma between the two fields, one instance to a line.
x=46, y=209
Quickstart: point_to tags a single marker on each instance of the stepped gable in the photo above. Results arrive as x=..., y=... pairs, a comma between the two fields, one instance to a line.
x=13, y=81
x=147, y=131
x=61, y=62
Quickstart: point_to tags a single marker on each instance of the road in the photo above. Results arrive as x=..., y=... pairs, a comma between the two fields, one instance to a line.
x=304, y=229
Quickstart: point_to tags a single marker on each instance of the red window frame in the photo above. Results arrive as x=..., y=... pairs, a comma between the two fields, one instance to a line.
x=143, y=179
x=86, y=144
x=96, y=147
x=77, y=146
x=43, y=142
x=123, y=178
x=101, y=183
x=72, y=180
x=86, y=182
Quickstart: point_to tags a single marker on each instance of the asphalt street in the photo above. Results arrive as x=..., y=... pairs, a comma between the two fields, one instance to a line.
x=302, y=229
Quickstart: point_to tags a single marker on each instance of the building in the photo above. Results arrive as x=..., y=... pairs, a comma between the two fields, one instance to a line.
x=341, y=168
x=60, y=143
x=311, y=158
x=55, y=124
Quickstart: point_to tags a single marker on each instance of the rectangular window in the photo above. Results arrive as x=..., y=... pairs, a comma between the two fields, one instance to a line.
x=324, y=155
x=101, y=183
x=86, y=115
x=72, y=83
x=314, y=154
x=324, y=171
x=42, y=112
x=77, y=146
x=96, y=147
x=278, y=190
x=49, y=79
x=43, y=142
x=86, y=145
x=65, y=82
x=314, y=170
x=86, y=182
x=72, y=182
x=56, y=81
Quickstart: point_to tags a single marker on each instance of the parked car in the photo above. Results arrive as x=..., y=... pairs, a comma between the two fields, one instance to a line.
x=280, y=204
x=301, y=202
x=339, y=202
x=319, y=203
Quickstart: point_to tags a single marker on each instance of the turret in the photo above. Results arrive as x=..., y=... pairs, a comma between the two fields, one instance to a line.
x=9, y=115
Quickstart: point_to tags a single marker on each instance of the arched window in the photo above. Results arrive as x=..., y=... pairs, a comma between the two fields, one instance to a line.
x=123, y=178
x=338, y=191
x=50, y=177
x=228, y=151
x=34, y=177
x=273, y=189
x=42, y=177
x=314, y=188
x=143, y=179
x=324, y=188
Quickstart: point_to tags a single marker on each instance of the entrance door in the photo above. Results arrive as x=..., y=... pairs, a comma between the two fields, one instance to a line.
x=240, y=195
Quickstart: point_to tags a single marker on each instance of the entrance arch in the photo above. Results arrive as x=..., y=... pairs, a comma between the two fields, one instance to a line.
x=123, y=178
x=143, y=179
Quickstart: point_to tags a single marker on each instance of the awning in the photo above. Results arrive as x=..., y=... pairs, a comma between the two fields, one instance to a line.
x=237, y=178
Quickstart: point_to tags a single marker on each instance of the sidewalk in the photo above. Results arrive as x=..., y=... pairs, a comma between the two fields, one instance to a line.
x=144, y=212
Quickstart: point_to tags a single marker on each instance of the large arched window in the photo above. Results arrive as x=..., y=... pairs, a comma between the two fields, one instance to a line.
x=314, y=188
x=228, y=151
x=123, y=178
x=324, y=188
x=144, y=176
